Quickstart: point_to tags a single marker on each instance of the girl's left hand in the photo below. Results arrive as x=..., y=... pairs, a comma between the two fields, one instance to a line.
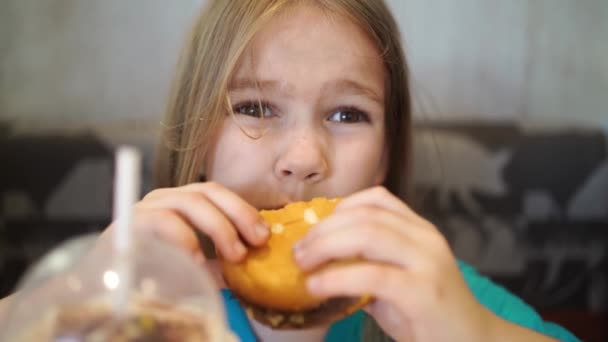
x=406, y=265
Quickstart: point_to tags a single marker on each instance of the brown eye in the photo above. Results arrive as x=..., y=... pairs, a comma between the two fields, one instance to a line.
x=348, y=115
x=253, y=109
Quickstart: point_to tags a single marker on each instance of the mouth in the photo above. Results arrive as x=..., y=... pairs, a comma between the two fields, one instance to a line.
x=281, y=202
x=273, y=207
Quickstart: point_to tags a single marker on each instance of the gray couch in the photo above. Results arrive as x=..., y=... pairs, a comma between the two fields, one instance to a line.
x=527, y=205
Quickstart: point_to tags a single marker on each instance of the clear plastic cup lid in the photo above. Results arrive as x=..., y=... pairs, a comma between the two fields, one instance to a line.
x=70, y=295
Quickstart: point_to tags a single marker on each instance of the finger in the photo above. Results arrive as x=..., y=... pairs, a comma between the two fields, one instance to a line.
x=369, y=215
x=245, y=218
x=369, y=240
x=168, y=226
x=391, y=319
x=204, y=216
x=378, y=197
x=381, y=281
x=345, y=218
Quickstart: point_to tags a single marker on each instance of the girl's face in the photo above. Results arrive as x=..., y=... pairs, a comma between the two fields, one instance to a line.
x=320, y=82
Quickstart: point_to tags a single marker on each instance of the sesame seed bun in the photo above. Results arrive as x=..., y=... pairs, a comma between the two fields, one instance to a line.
x=271, y=285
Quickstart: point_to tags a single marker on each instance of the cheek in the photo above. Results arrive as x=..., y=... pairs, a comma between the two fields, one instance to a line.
x=235, y=160
x=226, y=152
x=361, y=163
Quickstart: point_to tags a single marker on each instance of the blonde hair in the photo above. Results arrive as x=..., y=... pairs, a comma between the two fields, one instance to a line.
x=198, y=104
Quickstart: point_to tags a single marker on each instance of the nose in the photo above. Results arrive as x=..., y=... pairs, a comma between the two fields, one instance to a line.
x=303, y=159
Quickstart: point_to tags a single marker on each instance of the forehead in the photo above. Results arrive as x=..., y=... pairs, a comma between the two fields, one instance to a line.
x=308, y=44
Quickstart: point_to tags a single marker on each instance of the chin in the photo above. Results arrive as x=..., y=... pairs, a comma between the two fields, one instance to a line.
x=272, y=287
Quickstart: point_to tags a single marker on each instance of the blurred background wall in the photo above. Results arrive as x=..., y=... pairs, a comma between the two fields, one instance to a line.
x=518, y=59
x=87, y=59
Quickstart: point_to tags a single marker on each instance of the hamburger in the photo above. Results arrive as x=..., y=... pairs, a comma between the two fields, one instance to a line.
x=269, y=283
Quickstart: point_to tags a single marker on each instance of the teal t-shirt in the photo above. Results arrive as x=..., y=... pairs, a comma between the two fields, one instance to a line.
x=494, y=297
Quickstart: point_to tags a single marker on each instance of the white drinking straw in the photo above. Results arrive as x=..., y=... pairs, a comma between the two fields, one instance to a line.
x=127, y=184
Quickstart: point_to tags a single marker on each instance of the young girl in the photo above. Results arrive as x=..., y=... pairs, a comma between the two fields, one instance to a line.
x=278, y=101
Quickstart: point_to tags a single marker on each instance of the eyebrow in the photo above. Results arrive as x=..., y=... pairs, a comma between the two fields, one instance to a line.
x=249, y=83
x=336, y=86
x=353, y=87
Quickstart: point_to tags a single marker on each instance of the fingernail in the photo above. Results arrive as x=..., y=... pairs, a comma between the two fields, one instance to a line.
x=301, y=243
x=239, y=249
x=262, y=230
x=313, y=283
x=298, y=254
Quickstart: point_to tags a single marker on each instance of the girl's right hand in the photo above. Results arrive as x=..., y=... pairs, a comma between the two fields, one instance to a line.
x=174, y=214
